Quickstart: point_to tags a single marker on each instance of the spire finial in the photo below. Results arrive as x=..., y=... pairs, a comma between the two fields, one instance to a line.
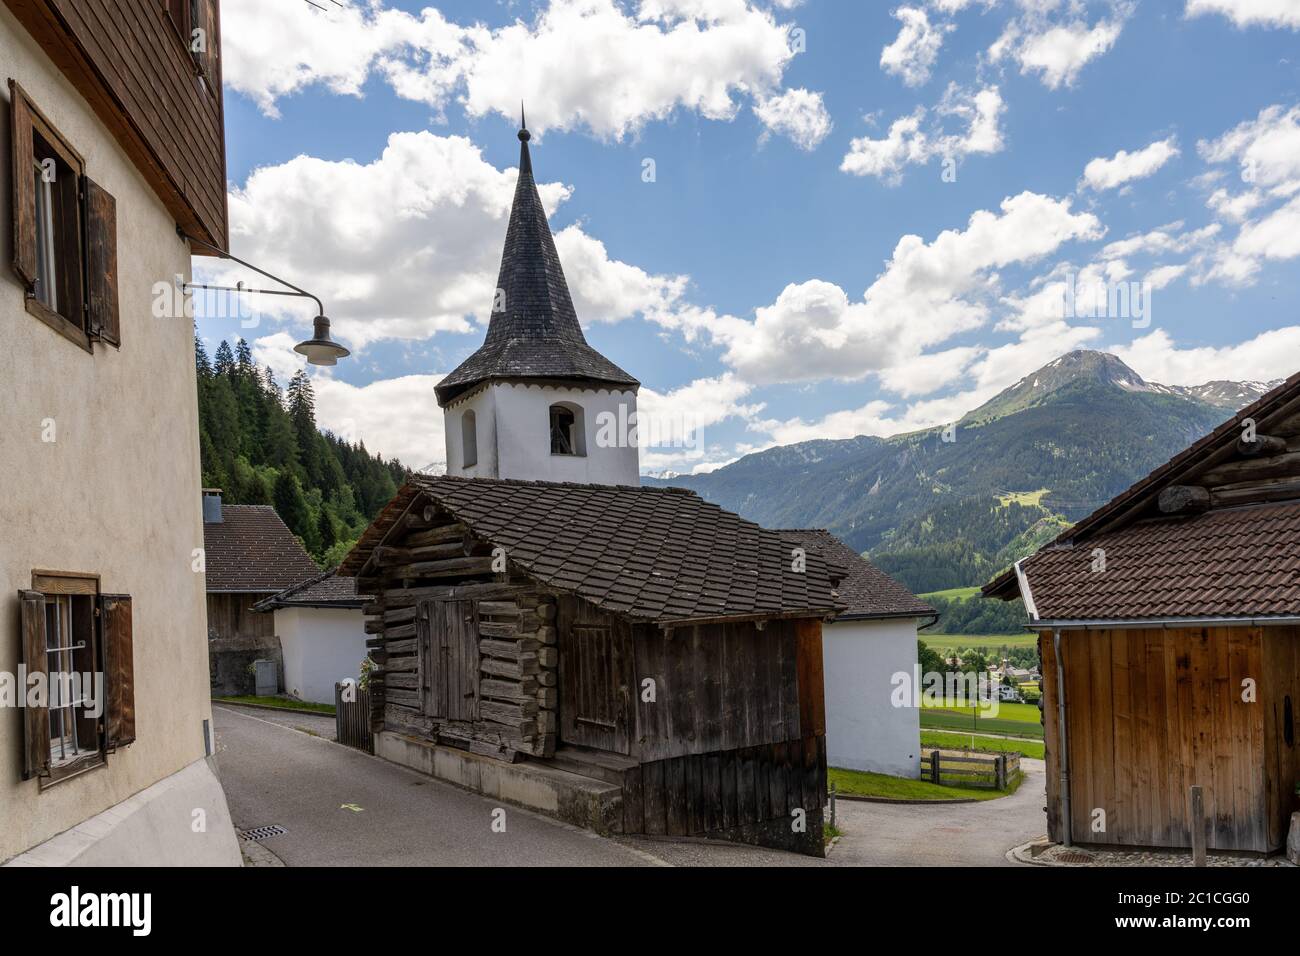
x=524, y=135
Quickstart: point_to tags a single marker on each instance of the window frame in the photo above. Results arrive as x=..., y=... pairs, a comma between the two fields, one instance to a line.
x=577, y=433
x=468, y=439
x=183, y=30
x=70, y=584
x=73, y=217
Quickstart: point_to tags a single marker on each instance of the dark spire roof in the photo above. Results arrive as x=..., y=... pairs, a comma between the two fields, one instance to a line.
x=534, y=330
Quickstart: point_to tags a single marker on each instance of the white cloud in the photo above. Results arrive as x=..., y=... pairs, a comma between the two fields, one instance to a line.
x=912, y=55
x=927, y=293
x=1266, y=149
x=1171, y=238
x=1125, y=167
x=1235, y=208
x=1057, y=52
x=409, y=244
x=1267, y=153
x=673, y=427
x=912, y=139
x=590, y=64
x=797, y=114
x=1246, y=13
x=1269, y=355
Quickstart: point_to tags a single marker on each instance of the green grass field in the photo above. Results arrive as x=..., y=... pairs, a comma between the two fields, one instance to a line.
x=952, y=594
x=982, y=642
x=1012, y=720
x=945, y=740
x=860, y=784
x=281, y=703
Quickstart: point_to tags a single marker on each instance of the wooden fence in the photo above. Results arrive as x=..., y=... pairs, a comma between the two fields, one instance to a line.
x=352, y=718
x=972, y=770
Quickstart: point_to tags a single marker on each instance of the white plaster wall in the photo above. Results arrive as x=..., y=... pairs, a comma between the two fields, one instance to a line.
x=514, y=437
x=864, y=731
x=117, y=493
x=321, y=646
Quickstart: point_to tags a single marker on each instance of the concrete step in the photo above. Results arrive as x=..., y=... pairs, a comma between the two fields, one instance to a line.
x=575, y=798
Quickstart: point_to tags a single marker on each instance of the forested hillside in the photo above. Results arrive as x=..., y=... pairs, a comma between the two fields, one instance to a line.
x=260, y=445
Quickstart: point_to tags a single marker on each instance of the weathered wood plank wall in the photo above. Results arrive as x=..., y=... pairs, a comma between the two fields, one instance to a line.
x=1149, y=713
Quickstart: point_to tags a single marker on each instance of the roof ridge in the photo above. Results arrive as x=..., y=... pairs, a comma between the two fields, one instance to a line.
x=595, y=486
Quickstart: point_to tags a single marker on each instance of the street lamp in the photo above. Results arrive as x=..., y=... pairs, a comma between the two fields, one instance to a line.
x=320, y=349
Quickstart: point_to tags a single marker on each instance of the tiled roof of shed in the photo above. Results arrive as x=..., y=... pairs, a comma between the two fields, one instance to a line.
x=535, y=334
x=251, y=550
x=867, y=591
x=656, y=554
x=1240, y=562
x=324, y=589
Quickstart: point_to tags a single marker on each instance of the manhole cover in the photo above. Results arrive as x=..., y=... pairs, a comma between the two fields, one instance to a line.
x=1074, y=858
x=262, y=833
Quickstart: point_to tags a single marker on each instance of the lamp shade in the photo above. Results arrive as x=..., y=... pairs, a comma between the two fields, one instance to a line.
x=320, y=349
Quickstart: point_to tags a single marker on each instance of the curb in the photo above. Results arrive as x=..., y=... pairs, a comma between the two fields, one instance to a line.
x=278, y=710
x=901, y=800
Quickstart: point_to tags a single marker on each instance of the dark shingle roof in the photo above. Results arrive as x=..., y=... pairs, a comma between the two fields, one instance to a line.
x=252, y=550
x=324, y=589
x=867, y=591
x=656, y=554
x=1241, y=562
x=536, y=334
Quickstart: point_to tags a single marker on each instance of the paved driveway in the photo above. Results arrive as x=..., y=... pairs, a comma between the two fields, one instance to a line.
x=282, y=769
x=274, y=774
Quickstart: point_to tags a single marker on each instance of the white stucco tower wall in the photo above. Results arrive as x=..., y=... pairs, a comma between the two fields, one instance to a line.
x=511, y=434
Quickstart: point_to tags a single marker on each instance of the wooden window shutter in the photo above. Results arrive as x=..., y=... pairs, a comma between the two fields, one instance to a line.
x=36, y=720
x=24, y=185
x=101, y=263
x=119, y=671
x=209, y=59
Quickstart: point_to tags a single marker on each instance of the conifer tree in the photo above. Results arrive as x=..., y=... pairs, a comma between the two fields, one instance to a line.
x=225, y=363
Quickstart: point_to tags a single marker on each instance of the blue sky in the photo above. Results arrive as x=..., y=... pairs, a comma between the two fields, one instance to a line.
x=800, y=266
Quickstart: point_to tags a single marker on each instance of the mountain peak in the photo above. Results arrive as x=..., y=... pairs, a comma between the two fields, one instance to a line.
x=1080, y=366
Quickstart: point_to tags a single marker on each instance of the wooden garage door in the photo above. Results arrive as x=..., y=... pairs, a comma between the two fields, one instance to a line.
x=447, y=642
x=595, y=696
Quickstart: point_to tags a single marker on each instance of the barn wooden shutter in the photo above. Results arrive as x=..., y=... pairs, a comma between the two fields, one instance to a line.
x=24, y=185
x=101, y=263
x=119, y=671
x=208, y=59
x=36, y=720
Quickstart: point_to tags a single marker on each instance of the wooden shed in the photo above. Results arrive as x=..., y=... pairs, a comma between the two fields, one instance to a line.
x=639, y=637
x=1169, y=632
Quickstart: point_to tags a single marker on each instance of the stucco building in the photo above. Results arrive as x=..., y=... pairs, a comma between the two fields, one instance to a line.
x=865, y=646
x=101, y=571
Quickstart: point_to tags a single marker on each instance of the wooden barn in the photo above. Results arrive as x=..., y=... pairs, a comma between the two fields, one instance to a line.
x=1169, y=631
x=632, y=659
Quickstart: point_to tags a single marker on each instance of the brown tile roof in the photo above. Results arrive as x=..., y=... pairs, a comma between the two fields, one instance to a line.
x=1204, y=566
x=1240, y=562
x=657, y=554
x=323, y=589
x=867, y=591
x=252, y=550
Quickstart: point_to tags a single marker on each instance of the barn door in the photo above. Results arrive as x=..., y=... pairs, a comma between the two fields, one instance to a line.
x=595, y=691
x=447, y=634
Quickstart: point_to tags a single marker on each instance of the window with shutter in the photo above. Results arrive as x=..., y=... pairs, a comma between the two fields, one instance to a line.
x=72, y=637
x=65, y=231
x=119, y=670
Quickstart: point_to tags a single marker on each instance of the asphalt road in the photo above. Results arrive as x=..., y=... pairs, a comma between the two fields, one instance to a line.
x=283, y=769
x=274, y=774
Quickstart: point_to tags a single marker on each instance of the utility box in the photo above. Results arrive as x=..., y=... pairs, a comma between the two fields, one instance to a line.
x=266, y=678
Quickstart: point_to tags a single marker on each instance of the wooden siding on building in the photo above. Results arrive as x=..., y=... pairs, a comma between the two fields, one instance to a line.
x=232, y=615
x=134, y=69
x=1152, y=712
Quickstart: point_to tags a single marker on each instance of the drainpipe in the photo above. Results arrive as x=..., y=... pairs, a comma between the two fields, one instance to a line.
x=1063, y=750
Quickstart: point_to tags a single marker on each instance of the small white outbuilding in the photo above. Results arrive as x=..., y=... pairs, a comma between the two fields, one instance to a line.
x=863, y=649
x=322, y=634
